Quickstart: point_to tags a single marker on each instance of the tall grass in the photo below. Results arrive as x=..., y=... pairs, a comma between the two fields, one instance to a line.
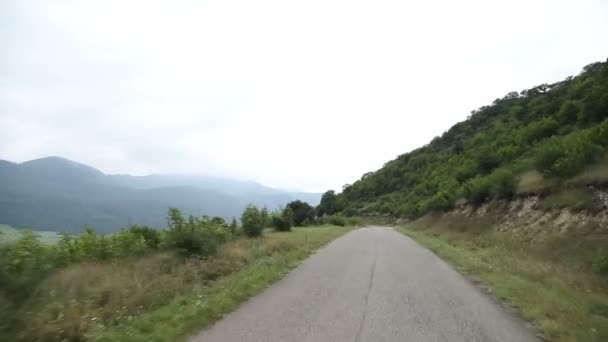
x=123, y=297
x=550, y=279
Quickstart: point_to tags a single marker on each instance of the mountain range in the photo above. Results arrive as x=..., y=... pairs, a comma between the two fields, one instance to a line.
x=58, y=194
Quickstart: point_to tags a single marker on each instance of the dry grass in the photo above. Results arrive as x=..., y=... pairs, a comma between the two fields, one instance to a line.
x=78, y=300
x=532, y=182
x=573, y=198
x=595, y=173
x=549, y=281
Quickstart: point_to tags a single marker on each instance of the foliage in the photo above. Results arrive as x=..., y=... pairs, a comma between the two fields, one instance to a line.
x=122, y=297
x=151, y=236
x=553, y=130
x=574, y=198
x=254, y=220
x=336, y=220
x=195, y=236
x=283, y=220
x=330, y=204
x=233, y=226
x=303, y=212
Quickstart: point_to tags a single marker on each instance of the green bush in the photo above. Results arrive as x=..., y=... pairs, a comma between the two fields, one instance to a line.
x=477, y=189
x=195, y=236
x=151, y=236
x=566, y=157
x=253, y=221
x=282, y=220
x=336, y=221
x=302, y=212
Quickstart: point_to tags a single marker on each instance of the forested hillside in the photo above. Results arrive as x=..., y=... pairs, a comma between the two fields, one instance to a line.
x=540, y=140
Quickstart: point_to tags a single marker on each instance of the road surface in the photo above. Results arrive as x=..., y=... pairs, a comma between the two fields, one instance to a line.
x=373, y=284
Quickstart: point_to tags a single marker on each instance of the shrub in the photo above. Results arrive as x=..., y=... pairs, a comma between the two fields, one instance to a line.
x=576, y=198
x=440, y=201
x=283, y=220
x=302, y=212
x=564, y=158
x=336, y=221
x=477, y=189
x=502, y=183
x=195, y=236
x=253, y=221
x=151, y=236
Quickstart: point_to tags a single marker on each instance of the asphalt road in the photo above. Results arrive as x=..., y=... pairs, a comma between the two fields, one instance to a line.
x=373, y=284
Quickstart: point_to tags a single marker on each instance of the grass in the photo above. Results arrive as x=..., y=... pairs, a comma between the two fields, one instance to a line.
x=9, y=234
x=549, y=282
x=532, y=182
x=580, y=198
x=161, y=297
x=595, y=173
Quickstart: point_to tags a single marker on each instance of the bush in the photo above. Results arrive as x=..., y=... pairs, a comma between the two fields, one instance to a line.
x=302, y=212
x=502, y=183
x=283, y=220
x=151, y=236
x=253, y=221
x=336, y=221
x=195, y=236
x=565, y=158
x=576, y=198
x=477, y=189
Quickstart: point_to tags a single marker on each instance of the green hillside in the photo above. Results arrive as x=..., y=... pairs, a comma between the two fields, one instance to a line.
x=534, y=141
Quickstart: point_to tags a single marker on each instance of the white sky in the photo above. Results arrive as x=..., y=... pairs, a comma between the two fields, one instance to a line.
x=296, y=94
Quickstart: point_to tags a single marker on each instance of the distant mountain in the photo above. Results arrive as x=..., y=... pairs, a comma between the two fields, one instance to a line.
x=62, y=195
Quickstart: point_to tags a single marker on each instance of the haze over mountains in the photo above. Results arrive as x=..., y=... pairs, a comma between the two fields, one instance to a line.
x=57, y=194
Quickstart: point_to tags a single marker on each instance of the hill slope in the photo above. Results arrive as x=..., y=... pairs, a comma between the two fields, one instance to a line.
x=534, y=141
x=58, y=194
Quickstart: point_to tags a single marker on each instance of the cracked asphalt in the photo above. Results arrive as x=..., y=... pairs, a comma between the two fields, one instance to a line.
x=373, y=284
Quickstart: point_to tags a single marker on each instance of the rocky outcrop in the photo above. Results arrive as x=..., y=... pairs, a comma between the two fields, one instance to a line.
x=524, y=213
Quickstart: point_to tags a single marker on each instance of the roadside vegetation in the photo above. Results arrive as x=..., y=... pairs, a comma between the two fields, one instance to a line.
x=92, y=285
x=531, y=142
x=559, y=282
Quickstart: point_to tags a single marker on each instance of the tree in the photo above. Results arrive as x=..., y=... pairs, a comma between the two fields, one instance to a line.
x=302, y=212
x=329, y=204
x=253, y=220
x=233, y=226
x=282, y=220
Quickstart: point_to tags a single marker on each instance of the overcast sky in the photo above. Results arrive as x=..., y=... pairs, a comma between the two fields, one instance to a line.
x=295, y=94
